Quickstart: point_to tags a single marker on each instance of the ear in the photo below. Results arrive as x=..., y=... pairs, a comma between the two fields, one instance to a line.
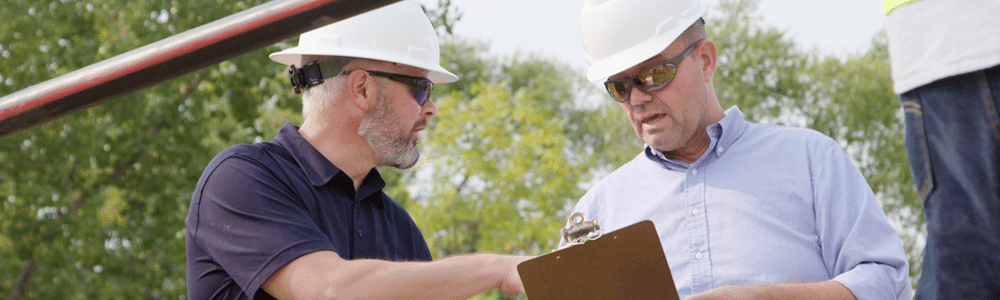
x=706, y=53
x=361, y=89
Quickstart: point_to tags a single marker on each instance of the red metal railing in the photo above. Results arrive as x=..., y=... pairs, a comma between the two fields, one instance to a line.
x=171, y=57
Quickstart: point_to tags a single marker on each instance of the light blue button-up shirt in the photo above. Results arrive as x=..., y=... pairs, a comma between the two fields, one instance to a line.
x=764, y=204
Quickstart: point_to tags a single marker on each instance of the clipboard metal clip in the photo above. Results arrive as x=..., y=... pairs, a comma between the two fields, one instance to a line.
x=580, y=231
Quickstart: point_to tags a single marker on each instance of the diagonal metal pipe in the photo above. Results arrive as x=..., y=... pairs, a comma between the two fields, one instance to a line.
x=171, y=57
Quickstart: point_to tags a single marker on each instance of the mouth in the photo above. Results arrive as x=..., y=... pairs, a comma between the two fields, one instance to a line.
x=415, y=138
x=652, y=118
x=421, y=125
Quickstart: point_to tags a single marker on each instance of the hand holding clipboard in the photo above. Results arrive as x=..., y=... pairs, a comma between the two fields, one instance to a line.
x=627, y=263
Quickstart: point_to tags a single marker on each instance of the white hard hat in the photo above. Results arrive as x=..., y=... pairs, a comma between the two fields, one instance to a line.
x=398, y=33
x=619, y=34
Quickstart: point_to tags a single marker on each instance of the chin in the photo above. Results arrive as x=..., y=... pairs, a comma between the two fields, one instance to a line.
x=659, y=144
x=407, y=159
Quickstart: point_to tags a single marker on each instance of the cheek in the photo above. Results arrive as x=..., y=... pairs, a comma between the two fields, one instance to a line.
x=628, y=114
x=406, y=113
x=636, y=127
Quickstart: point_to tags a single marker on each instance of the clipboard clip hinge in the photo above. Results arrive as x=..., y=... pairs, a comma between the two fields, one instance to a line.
x=580, y=231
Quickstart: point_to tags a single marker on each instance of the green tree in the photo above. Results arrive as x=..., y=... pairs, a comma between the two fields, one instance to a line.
x=506, y=155
x=93, y=204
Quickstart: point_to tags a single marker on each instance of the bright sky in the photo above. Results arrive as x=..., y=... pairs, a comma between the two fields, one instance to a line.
x=551, y=27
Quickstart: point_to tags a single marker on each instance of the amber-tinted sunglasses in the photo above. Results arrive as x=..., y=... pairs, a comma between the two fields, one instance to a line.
x=650, y=79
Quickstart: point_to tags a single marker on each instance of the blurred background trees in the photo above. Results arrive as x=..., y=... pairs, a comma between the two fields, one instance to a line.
x=92, y=205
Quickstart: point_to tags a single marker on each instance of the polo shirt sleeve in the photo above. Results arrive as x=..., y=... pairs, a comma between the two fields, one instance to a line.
x=859, y=246
x=251, y=223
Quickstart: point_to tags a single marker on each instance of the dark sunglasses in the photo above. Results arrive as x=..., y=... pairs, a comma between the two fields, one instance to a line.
x=650, y=79
x=420, y=87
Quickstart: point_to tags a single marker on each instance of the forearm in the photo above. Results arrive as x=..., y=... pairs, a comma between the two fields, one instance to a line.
x=324, y=275
x=459, y=277
x=823, y=290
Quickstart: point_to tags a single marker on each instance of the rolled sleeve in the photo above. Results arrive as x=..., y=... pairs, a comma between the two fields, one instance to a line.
x=867, y=281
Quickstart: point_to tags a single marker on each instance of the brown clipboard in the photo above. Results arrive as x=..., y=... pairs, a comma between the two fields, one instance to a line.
x=627, y=263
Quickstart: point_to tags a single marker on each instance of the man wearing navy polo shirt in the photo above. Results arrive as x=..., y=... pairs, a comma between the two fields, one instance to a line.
x=304, y=216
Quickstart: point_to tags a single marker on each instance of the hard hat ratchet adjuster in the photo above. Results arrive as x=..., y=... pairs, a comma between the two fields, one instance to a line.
x=315, y=72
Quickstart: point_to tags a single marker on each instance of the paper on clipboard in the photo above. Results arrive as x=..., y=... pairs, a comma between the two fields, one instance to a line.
x=627, y=263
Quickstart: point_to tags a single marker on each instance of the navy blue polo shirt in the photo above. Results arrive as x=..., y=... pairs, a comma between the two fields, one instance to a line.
x=258, y=207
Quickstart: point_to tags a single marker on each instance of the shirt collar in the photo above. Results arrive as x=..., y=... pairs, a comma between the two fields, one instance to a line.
x=723, y=135
x=731, y=129
x=320, y=170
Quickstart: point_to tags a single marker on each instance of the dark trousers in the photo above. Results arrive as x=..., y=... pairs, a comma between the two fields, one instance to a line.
x=953, y=142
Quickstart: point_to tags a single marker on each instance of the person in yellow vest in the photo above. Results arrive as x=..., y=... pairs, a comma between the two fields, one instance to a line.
x=945, y=57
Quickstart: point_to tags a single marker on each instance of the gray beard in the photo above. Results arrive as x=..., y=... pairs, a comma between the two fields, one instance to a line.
x=390, y=141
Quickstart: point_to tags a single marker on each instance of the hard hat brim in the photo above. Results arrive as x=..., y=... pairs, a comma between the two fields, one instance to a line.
x=399, y=33
x=624, y=60
x=293, y=56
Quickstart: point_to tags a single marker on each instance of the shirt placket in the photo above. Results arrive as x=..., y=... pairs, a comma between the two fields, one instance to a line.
x=697, y=224
x=357, y=229
x=365, y=232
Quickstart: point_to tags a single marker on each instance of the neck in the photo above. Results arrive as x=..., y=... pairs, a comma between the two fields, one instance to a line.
x=700, y=141
x=694, y=149
x=339, y=143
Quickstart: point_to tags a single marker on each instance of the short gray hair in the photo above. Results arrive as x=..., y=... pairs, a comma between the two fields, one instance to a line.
x=316, y=99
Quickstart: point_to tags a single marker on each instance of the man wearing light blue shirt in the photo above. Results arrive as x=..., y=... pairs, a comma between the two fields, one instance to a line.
x=743, y=210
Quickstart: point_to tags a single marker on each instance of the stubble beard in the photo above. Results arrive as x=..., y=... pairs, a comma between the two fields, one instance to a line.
x=391, y=142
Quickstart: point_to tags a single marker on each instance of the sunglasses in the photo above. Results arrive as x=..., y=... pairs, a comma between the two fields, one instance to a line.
x=650, y=79
x=420, y=87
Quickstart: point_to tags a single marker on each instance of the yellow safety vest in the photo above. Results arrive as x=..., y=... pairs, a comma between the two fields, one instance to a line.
x=889, y=5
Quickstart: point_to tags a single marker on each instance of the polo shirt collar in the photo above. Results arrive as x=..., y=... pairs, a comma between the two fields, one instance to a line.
x=320, y=170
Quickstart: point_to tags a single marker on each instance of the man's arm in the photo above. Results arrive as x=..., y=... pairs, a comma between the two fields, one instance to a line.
x=325, y=275
x=823, y=290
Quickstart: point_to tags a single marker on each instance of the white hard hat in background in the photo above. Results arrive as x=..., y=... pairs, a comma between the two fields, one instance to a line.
x=398, y=33
x=619, y=34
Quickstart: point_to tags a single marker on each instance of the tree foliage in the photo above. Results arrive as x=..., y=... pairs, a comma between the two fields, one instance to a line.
x=506, y=155
x=93, y=204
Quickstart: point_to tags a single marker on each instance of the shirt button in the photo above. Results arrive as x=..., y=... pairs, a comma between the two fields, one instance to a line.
x=359, y=233
x=699, y=255
x=719, y=149
x=695, y=211
x=694, y=171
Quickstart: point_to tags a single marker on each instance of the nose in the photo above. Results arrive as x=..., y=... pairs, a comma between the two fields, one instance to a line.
x=637, y=97
x=429, y=109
